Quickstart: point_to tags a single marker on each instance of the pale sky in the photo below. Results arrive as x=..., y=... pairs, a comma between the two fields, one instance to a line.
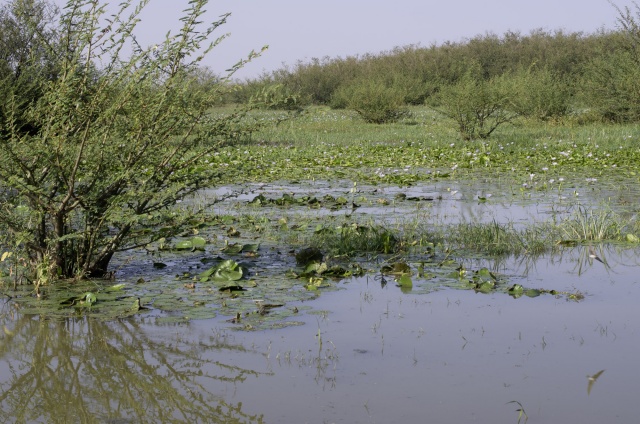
x=301, y=30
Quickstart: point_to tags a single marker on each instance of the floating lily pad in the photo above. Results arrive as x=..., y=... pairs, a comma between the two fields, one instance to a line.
x=225, y=271
x=195, y=243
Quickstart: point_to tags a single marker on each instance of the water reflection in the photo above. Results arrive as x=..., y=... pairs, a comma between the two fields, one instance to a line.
x=114, y=372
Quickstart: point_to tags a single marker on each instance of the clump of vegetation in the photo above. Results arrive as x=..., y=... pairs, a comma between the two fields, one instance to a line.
x=95, y=154
x=478, y=107
x=375, y=101
x=354, y=239
x=593, y=225
x=498, y=239
x=612, y=78
x=541, y=94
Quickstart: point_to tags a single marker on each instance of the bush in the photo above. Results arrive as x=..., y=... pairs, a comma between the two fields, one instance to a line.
x=374, y=101
x=114, y=147
x=611, y=84
x=477, y=106
x=611, y=87
x=277, y=97
x=539, y=93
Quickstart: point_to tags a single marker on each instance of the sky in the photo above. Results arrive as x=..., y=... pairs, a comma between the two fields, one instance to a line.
x=299, y=30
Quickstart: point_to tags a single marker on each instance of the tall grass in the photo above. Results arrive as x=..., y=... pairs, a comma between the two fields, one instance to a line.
x=594, y=225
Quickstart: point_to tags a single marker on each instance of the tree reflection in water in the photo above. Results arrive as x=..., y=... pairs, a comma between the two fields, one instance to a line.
x=113, y=372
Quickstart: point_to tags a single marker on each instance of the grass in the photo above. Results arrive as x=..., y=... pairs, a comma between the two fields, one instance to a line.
x=354, y=239
x=596, y=225
x=492, y=239
x=498, y=239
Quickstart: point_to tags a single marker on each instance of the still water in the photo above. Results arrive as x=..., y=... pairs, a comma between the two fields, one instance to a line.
x=366, y=354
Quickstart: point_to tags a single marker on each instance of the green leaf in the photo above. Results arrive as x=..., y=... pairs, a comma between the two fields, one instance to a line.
x=532, y=293
x=225, y=271
x=232, y=249
x=516, y=289
x=195, y=243
x=405, y=281
x=115, y=287
x=631, y=238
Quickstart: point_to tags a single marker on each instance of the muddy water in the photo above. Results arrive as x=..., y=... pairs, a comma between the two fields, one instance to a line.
x=366, y=354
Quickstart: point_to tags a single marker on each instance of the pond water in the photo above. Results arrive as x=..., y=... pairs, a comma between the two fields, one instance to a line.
x=367, y=352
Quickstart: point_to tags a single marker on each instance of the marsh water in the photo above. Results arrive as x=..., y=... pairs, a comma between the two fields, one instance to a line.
x=363, y=352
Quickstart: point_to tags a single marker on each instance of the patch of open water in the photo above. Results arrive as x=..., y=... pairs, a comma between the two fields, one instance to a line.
x=366, y=354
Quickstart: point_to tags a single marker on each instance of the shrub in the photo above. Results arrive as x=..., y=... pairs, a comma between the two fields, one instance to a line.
x=277, y=97
x=115, y=146
x=611, y=82
x=477, y=106
x=611, y=87
x=375, y=101
x=538, y=93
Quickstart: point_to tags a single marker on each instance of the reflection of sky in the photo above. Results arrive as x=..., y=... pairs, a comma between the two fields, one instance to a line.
x=384, y=356
x=459, y=356
x=300, y=30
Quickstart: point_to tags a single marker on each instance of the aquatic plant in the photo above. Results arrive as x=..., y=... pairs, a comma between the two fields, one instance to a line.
x=353, y=239
x=593, y=224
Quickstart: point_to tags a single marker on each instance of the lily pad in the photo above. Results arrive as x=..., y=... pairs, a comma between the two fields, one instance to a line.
x=225, y=271
x=195, y=243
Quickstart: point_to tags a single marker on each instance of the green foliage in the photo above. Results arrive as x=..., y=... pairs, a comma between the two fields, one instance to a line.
x=421, y=71
x=477, y=106
x=353, y=239
x=115, y=141
x=27, y=33
x=375, y=101
x=612, y=87
x=594, y=225
x=539, y=93
x=278, y=97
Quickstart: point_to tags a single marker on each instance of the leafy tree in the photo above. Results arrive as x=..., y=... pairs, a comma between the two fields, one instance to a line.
x=612, y=87
x=116, y=142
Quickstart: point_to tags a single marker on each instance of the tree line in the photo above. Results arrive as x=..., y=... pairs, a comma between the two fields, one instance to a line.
x=542, y=74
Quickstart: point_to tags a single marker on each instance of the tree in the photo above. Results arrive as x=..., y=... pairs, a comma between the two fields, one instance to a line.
x=116, y=141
